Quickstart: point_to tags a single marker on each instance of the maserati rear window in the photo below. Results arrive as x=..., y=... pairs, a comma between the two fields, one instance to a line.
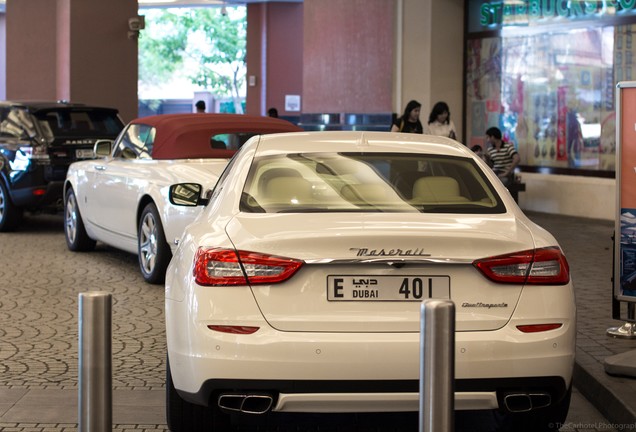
x=368, y=182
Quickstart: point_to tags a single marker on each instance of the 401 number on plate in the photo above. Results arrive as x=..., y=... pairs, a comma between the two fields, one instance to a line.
x=386, y=288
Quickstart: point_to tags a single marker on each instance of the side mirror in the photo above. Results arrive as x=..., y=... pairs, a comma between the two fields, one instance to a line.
x=103, y=148
x=187, y=195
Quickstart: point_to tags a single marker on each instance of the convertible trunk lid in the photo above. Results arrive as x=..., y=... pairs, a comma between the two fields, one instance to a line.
x=369, y=272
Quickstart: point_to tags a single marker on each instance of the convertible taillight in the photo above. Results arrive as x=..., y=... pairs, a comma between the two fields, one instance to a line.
x=545, y=266
x=222, y=267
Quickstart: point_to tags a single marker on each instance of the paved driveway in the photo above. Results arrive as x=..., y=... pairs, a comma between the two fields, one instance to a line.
x=40, y=281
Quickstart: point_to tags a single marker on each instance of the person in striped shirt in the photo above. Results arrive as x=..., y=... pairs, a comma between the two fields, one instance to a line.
x=502, y=156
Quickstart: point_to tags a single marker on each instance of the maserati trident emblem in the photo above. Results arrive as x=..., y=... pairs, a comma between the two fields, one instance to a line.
x=366, y=252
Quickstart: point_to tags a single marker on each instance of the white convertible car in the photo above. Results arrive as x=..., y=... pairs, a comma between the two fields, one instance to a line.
x=298, y=289
x=121, y=198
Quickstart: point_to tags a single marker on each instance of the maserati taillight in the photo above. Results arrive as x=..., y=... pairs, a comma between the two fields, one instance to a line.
x=222, y=267
x=545, y=266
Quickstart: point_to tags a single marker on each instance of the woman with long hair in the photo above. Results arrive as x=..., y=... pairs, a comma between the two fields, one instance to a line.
x=409, y=122
x=439, y=122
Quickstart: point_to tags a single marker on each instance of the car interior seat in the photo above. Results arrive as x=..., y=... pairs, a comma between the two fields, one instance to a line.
x=364, y=193
x=272, y=173
x=404, y=180
x=287, y=190
x=283, y=185
x=436, y=190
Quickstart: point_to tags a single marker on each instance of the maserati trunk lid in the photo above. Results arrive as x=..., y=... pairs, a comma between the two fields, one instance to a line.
x=369, y=272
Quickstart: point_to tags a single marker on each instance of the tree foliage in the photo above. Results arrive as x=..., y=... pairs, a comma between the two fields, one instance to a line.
x=212, y=41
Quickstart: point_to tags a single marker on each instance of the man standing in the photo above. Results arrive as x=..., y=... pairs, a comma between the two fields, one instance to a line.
x=200, y=106
x=502, y=156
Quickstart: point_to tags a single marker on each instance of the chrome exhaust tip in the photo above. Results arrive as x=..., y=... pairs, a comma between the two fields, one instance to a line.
x=523, y=402
x=246, y=403
x=540, y=400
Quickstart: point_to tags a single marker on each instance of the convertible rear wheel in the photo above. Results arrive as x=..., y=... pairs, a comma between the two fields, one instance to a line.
x=183, y=416
x=77, y=239
x=10, y=215
x=153, y=250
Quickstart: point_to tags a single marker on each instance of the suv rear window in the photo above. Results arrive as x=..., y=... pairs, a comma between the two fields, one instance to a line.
x=368, y=182
x=78, y=123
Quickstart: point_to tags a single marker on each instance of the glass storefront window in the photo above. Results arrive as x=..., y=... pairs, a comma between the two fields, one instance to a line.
x=550, y=88
x=483, y=87
x=552, y=93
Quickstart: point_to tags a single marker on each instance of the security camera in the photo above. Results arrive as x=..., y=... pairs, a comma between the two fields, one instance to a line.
x=224, y=11
x=137, y=23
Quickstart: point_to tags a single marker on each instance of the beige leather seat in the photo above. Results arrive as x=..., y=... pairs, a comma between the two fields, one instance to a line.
x=287, y=190
x=436, y=190
x=364, y=193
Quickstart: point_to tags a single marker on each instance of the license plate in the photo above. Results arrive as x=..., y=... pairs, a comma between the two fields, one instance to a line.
x=386, y=288
x=84, y=153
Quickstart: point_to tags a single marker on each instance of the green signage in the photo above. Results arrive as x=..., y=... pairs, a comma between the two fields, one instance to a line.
x=496, y=13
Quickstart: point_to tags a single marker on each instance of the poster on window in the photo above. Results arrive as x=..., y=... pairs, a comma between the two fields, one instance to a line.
x=625, y=246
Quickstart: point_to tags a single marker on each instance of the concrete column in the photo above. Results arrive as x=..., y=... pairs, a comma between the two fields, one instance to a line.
x=348, y=56
x=72, y=49
x=3, y=56
x=432, y=63
x=31, y=49
x=274, y=56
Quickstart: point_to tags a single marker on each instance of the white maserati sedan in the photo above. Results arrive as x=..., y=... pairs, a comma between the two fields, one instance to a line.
x=121, y=198
x=299, y=288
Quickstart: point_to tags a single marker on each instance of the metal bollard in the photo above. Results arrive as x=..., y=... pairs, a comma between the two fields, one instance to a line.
x=437, y=366
x=95, y=403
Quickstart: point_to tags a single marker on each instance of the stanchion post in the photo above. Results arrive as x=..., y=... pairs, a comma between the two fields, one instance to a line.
x=437, y=366
x=95, y=400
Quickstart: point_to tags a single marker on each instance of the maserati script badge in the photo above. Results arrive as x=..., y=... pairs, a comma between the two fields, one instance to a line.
x=365, y=252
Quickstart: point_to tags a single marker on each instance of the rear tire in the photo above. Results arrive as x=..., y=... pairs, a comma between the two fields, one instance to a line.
x=183, y=416
x=152, y=249
x=10, y=215
x=77, y=240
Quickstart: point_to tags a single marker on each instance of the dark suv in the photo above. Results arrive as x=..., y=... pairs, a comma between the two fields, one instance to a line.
x=38, y=142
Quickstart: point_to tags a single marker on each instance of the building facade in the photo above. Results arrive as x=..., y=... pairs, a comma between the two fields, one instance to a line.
x=543, y=70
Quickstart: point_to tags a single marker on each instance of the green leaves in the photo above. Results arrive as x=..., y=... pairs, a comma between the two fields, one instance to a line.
x=204, y=37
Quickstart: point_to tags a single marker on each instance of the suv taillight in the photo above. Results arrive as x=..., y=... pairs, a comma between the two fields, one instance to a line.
x=222, y=267
x=545, y=266
x=39, y=152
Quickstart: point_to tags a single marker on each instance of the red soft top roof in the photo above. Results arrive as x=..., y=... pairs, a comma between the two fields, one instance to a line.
x=187, y=136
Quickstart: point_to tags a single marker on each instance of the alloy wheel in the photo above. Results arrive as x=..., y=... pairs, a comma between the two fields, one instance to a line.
x=70, y=218
x=148, y=243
